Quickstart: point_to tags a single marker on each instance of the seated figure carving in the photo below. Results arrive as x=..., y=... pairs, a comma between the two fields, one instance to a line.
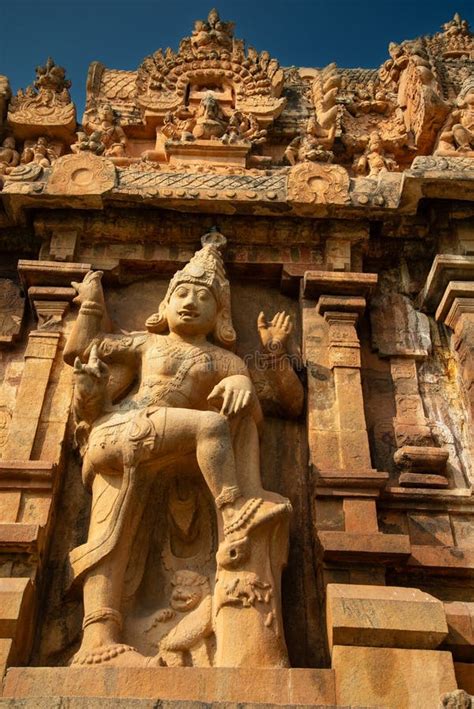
x=9, y=156
x=104, y=123
x=190, y=397
x=457, y=135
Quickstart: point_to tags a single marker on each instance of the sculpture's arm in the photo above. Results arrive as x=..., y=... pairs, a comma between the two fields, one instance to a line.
x=277, y=365
x=196, y=625
x=92, y=325
x=91, y=319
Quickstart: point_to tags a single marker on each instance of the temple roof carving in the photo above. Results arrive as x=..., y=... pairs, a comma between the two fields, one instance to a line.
x=215, y=105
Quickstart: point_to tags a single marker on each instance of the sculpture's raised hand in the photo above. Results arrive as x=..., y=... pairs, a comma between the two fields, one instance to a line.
x=274, y=334
x=90, y=289
x=234, y=394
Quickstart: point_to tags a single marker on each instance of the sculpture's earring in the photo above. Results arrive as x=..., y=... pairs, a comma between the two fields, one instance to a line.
x=158, y=322
x=224, y=332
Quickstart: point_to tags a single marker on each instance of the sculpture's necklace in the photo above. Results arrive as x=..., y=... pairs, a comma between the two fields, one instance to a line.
x=175, y=351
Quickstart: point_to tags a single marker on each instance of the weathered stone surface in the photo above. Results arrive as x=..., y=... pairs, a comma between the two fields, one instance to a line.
x=132, y=703
x=464, y=676
x=296, y=686
x=384, y=617
x=460, y=639
x=392, y=678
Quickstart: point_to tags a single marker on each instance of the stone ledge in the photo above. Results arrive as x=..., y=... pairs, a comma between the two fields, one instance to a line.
x=254, y=685
x=27, y=474
x=316, y=283
x=449, y=560
x=16, y=536
x=351, y=546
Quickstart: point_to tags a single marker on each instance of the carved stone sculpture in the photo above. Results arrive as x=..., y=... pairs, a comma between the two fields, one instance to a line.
x=5, y=95
x=103, y=126
x=40, y=152
x=194, y=399
x=459, y=699
x=9, y=157
x=45, y=106
x=311, y=146
x=457, y=135
x=374, y=160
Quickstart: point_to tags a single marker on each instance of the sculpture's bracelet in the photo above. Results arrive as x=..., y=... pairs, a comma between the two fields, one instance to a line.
x=88, y=307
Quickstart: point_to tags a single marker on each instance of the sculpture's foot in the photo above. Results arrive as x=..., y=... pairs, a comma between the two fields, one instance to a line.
x=112, y=654
x=253, y=513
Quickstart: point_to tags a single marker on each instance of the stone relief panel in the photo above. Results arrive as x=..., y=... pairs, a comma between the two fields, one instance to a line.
x=192, y=580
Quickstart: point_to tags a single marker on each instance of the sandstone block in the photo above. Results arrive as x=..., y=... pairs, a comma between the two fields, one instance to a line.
x=14, y=594
x=363, y=547
x=460, y=639
x=274, y=686
x=392, y=678
x=384, y=616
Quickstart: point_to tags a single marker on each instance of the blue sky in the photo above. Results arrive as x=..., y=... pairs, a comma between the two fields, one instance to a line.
x=120, y=33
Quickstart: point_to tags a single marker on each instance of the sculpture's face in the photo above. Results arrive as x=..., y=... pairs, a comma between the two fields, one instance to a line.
x=106, y=114
x=9, y=143
x=191, y=310
x=185, y=598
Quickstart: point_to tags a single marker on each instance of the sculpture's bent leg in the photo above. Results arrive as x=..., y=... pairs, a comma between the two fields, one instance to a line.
x=463, y=137
x=209, y=434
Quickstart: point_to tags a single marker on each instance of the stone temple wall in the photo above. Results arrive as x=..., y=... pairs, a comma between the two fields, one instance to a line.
x=237, y=380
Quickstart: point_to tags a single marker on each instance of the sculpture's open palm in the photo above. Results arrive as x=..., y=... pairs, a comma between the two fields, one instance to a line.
x=274, y=334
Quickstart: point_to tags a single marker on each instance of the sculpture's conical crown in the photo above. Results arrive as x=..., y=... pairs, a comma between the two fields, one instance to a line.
x=205, y=268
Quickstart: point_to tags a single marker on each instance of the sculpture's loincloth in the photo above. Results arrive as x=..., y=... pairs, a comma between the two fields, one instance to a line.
x=125, y=439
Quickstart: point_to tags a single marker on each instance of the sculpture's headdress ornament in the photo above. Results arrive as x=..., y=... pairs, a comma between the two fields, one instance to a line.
x=205, y=268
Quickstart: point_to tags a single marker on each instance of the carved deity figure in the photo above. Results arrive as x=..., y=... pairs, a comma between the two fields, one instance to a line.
x=213, y=35
x=38, y=152
x=190, y=611
x=374, y=160
x=178, y=125
x=210, y=123
x=457, y=135
x=311, y=145
x=9, y=156
x=107, y=126
x=88, y=143
x=176, y=395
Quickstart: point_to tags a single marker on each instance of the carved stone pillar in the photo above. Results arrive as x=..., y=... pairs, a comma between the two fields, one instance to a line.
x=402, y=335
x=31, y=460
x=346, y=485
x=449, y=293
